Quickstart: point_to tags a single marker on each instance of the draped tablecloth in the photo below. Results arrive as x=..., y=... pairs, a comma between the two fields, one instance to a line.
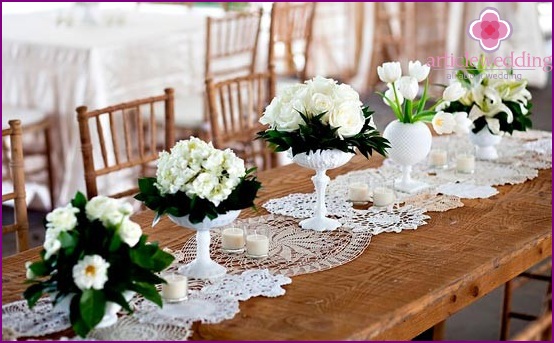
x=56, y=68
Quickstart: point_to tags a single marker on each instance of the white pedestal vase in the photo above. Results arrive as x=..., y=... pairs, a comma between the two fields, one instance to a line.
x=410, y=144
x=321, y=161
x=203, y=267
x=485, y=143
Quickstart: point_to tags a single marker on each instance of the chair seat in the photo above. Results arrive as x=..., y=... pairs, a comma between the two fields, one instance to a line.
x=27, y=116
x=189, y=111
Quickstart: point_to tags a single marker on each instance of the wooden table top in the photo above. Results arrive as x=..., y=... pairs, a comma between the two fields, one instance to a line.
x=400, y=286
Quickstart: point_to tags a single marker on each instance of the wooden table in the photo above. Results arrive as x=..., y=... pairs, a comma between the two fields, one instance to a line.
x=400, y=286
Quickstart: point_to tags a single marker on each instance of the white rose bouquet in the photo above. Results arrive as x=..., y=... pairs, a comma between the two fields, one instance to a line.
x=403, y=91
x=320, y=114
x=198, y=180
x=493, y=99
x=93, y=252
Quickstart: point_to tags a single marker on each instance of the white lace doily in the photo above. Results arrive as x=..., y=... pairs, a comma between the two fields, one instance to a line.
x=467, y=190
x=432, y=202
x=251, y=283
x=128, y=328
x=39, y=321
x=392, y=220
x=301, y=205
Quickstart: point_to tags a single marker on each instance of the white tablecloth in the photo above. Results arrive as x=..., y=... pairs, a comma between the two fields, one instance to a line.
x=56, y=68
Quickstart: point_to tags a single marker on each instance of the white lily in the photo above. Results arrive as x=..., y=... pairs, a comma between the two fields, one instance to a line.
x=389, y=72
x=408, y=87
x=453, y=92
x=489, y=104
x=419, y=71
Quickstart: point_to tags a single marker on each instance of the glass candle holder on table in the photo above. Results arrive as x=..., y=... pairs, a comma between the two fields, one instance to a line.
x=438, y=156
x=358, y=189
x=257, y=241
x=175, y=289
x=233, y=240
x=383, y=192
x=465, y=161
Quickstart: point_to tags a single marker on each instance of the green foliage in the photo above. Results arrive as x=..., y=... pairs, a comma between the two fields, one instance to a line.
x=179, y=204
x=129, y=267
x=315, y=135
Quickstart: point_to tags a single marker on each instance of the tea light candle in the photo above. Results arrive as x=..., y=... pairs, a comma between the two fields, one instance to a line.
x=257, y=245
x=176, y=288
x=358, y=192
x=382, y=196
x=465, y=163
x=438, y=157
x=232, y=239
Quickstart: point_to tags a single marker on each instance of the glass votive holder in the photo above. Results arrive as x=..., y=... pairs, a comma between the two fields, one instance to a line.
x=233, y=240
x=176, y=287
x=383, y=193
x=257, y=241
x=358, y=189
x=465, y=162
x=438, y=158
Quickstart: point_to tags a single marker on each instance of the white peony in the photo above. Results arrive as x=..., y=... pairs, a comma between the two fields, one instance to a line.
x=62, y=218
x=91, y=272
x=130, y=232
x=418, y=71
x=453, y=92
x=109, y=211
x=443, y=122
x=389, y=72
x=408, y=87
x=348, y=117
x=29, y=273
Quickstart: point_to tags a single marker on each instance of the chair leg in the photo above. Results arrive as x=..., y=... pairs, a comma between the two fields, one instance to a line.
x=49, y=165
x=439, y=331
x=506, y=309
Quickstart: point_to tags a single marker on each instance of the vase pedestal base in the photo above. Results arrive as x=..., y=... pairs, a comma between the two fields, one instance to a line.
x=320, y=224
x=203, y=270
x=410, y=187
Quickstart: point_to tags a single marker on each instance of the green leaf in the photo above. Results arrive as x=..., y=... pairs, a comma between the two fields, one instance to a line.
x=118, y=298
x=68, y=241
x=115, y=243
x=92, y=306
x=146, y=185
x=79, y=200
x=33, y=293
x=148, y=291
x=40, y=268
x=79, y=325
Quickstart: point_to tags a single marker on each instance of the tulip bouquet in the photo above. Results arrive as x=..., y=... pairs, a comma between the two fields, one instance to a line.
x=320, y=115
x=403, y=90
x=493, y=99
x=93, y=253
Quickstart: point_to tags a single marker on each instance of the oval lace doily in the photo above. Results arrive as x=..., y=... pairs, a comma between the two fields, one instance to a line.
x=128, y=328
x=292, y=251
x=467, y=190
x=39, y=321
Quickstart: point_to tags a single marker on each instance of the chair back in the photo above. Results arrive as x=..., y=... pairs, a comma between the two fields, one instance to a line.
x=235, y=108
x=124, y=137
x=17, y=172
x=291, y=27
x=232, y=44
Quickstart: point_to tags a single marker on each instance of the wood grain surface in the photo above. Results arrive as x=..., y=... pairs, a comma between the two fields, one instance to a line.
x=400, y=286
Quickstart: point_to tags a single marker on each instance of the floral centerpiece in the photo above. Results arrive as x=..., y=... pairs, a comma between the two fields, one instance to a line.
x=93, y=255
x=495, y=100
x=409, y=136
x=321, y=123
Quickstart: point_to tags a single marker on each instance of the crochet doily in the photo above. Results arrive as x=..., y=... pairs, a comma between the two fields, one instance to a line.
x=392, y=220
x=128, y=328
x=292, y=250
x=41, y=320
x=467, y=190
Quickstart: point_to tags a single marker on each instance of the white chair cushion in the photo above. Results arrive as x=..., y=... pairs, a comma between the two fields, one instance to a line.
x=26, y=115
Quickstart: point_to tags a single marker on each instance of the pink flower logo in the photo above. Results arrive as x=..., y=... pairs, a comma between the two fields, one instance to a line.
x=489, y=29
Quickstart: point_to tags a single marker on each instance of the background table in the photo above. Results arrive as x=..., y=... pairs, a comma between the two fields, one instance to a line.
x=400, y=286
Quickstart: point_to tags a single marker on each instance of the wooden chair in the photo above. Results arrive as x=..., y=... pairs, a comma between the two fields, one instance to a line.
x=291, y=26
x=235, y=108
x=231, y=49
x=140, y=143
x=37, y=142
x=21, y=222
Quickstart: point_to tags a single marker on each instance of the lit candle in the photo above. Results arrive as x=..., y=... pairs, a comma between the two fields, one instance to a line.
x=438, y=157
x=358, y=192
x=257, y=245
x=176, y=288
x=232, y=240
x=465, y=163
x=382, y=196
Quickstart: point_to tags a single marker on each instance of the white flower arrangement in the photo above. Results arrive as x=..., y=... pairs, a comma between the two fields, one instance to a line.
x=196, y=179
x=403, y=90
x=320, y=114
x=93, y=252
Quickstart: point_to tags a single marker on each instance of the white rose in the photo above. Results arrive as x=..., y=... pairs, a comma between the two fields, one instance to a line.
x=420, y=72
x=91, y=272
x=320, y=103
x=271, y=112
x=344, y=92
x=443, y=122
x=321, y=84
x=408, y=87
x=130, y=232
x=348, y=117
x=62, y=218
x=453, y=92
x=29, y=273
x=96, y=207
x=389, y=72
x=288, y=119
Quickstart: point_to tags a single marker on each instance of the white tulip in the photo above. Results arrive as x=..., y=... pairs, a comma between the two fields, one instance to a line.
x=408, y=87
x=348, y=117
x=130, y=232
x=389, y=72
x=91, y=272
x=453, y=92
x=420, y=72
x=389, y=94
x=462, y=122
x=443, y=122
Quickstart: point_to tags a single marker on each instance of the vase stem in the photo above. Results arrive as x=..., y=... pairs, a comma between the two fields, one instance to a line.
x=406, y=175
x=320, y=180
x=203, y=245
